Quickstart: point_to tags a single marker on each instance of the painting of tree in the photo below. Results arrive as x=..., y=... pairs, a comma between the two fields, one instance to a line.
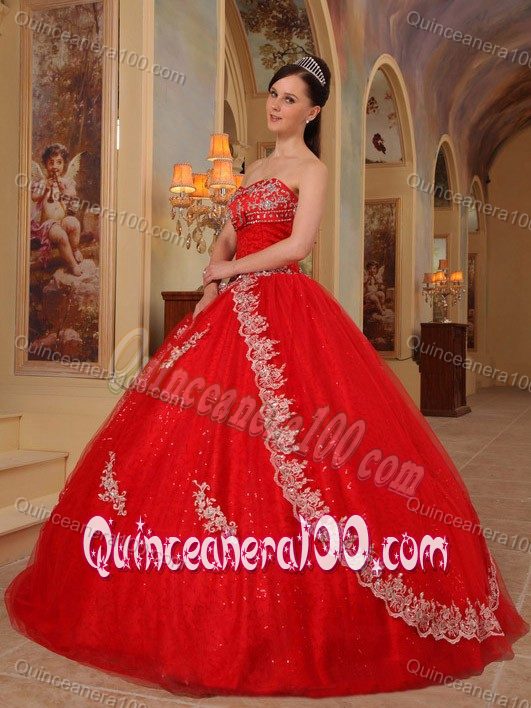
x=279, y=33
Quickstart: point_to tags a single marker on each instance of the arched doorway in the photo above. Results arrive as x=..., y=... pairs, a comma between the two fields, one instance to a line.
x=389, y=208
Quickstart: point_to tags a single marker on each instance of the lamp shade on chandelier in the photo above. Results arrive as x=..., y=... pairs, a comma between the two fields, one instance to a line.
x=198, y=199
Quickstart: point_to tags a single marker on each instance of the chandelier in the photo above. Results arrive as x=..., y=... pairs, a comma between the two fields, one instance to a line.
x=199, y=199
x=442, y=290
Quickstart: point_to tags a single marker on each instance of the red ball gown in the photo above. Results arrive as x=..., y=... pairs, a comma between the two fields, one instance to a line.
x=252, y=516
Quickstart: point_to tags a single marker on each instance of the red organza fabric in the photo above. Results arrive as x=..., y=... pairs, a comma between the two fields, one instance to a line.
x=268, y=411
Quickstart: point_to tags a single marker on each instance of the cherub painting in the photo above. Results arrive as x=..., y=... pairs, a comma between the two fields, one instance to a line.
x=379, y=283
x=68, y=153
x=65, y=259
x=373, y=286
x=54, y=207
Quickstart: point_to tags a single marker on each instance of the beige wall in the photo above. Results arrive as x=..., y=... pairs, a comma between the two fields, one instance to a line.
x=477, y=243
x=186, y=39
x=509, y=261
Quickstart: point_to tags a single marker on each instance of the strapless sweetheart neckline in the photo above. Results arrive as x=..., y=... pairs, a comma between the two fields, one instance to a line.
x=271, y=179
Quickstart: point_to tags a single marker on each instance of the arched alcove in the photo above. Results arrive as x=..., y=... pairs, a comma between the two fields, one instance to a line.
x=388, y=218
x=448, y=242
x=238, y=73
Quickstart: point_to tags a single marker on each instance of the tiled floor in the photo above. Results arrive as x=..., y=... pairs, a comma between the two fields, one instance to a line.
x=492, y=448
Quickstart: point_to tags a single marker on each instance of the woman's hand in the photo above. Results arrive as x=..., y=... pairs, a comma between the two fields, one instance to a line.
x=207, y=298
x=218, y=271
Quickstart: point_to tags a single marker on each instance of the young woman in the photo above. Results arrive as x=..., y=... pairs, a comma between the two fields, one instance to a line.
x=246, y=521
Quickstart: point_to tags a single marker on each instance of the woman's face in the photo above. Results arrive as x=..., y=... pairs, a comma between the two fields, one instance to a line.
x=288, y=106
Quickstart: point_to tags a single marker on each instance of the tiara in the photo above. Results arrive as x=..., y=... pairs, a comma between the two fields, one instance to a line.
x=313, y=67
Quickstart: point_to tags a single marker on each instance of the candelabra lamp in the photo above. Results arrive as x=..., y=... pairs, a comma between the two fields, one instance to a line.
x=199, y=200
x=442, y=290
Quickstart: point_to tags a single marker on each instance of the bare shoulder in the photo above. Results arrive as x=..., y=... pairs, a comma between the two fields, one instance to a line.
x=317, y=166
x=314, y=173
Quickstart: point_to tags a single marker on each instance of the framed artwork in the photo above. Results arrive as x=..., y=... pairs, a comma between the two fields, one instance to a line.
x=471, y=332
x=66, y=247
x=264, y=149
x=381, y=243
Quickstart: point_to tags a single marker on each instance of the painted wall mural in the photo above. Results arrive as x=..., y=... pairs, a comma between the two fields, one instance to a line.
x=379, y=281
x=277, y=35
x=384, y=140
x=66, y=146
x=61, y=315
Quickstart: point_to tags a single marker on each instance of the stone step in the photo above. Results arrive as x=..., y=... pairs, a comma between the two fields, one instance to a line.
x=20, y=526
x=30, y=473
x=9, y=431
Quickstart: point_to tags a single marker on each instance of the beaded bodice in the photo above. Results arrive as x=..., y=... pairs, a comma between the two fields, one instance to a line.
x=262, y=214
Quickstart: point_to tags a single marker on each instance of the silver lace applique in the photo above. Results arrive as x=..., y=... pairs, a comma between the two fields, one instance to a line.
x=215, y=518
x=181, y=330
x=275, y=408
x=271, y=271
x=110, y=485
x=177, y=352
x=430, y=616
x=427, y=616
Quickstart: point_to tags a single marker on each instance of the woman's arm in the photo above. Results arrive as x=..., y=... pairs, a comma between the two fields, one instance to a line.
x=312, y=197
x=224, y=250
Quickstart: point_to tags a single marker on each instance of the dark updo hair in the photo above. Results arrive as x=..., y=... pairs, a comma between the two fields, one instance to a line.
x=318, y=96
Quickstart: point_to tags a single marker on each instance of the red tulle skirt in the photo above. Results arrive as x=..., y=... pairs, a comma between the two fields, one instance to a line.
x=269, y=416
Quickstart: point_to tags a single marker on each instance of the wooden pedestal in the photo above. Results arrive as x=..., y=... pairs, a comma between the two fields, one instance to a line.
x=442, y=374
x=177, y=305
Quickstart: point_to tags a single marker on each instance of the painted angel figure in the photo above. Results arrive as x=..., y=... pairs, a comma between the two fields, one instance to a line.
x=373, y=286
x=54, y=204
